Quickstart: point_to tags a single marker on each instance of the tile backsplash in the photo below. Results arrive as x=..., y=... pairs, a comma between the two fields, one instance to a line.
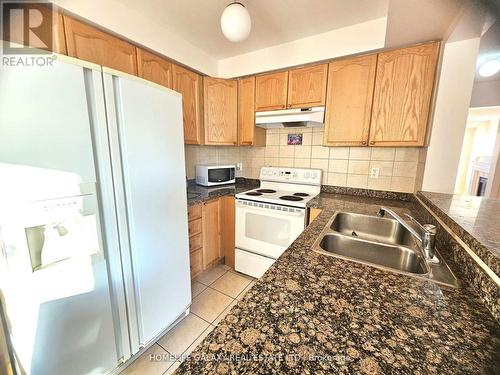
x=400, y=169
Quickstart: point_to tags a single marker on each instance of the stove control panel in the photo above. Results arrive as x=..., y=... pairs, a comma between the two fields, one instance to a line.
x=291, y=175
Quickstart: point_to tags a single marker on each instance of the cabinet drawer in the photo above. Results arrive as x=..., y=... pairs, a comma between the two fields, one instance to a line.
x=196, y=262
x=194, y=212
x=194, y=227
x=195, y=242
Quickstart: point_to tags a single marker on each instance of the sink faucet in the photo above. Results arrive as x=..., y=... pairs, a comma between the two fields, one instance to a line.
x=427, y=238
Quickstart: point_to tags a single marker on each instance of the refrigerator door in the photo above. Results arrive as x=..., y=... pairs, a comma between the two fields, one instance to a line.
x=55, y=271
x=55, y=284
x=147, y=147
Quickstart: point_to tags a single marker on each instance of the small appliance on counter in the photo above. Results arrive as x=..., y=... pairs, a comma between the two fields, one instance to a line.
x=271, y=217
x=212, y=175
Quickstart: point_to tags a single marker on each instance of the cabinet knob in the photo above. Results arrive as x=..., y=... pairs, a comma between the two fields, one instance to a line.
x=363, y=143
x=372, y=142
x=283, y=106
x=289, y=105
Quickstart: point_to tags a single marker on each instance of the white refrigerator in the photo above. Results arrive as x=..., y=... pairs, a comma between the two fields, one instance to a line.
x=94, y=255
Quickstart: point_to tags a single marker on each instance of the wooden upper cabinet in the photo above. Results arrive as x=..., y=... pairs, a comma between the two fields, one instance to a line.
x=248, y=133
x=189, y=84
x=154, y=68
x=88, y=43
x=59, y=38
x=271, y=91
x=349, y=101
x=50, y=34
x=307, y=86
x=220, y=111
x=402, y=98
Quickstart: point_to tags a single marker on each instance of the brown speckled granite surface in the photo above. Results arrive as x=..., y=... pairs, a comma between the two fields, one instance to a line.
x=203, y=194
x=314, y=314
x=473, y=219
x=369, y=193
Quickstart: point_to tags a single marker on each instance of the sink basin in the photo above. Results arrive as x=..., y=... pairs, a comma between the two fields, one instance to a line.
x=400, y=258
x=382, y=243
x=372, y=228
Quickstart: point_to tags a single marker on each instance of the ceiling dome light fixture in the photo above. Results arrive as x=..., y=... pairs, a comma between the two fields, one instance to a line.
x=235, y=22
x=489, y=68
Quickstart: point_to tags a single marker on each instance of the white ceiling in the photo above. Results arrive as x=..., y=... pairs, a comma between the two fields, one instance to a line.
x=489, y=49
x=414, y=21
x=273, y=21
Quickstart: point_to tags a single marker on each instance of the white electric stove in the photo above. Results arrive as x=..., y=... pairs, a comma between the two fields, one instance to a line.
x=271, y=217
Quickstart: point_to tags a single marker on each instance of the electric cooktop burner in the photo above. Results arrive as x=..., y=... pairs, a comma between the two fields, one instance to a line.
x=291, y=198
x=253, y=193
x=266, y=191
x=301, y=194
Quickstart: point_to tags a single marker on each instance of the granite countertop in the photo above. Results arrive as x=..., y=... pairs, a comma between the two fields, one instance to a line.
x=473, y=219
x=199, y=194
x=315, y=314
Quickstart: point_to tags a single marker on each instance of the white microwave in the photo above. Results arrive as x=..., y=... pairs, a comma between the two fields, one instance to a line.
x=211, y=175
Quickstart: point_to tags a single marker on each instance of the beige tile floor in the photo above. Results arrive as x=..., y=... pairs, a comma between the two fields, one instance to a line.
x=215, y=292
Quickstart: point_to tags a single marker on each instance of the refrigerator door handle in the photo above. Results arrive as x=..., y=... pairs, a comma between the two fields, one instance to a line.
x=114, y=117
x=100, y=137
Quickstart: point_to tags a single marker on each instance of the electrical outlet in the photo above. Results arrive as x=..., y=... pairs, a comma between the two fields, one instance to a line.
x=239, y=166
x=374, y=172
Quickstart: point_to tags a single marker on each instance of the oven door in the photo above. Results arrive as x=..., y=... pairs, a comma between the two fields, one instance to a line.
x=267, y=229
x=220, y=175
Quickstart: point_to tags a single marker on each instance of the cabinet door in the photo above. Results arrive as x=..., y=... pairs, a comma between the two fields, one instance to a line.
x=211, y=232
x=307, y=86
x=196, y=262
x=403, y=90
x=189, y=84
x=154, y=68
x=88, y=43
x=248, y=133
x=228, y=229
x=349, y=101
x=270, y=91
x=220, y=98
x=15, y=30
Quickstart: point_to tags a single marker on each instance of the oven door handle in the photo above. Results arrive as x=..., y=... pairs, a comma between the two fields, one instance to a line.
x=299, y=213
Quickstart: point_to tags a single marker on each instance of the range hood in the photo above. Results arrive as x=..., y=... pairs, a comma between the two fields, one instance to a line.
x=291, y=118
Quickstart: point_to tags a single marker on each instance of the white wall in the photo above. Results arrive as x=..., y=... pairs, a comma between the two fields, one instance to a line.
x=130, y=24
x=345, y=41
x=450, y=115
x=486, y=94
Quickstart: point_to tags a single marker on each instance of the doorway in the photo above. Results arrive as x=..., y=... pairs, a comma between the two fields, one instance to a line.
x=479, y=166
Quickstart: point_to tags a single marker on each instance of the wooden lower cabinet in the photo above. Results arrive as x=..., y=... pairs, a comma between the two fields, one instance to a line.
x=195, y=230
x=228, y=229
x=196, y=262
x=313, y=214
x=211, y=233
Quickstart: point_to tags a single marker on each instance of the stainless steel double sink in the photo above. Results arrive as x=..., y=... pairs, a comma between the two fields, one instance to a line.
x=380, y=242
